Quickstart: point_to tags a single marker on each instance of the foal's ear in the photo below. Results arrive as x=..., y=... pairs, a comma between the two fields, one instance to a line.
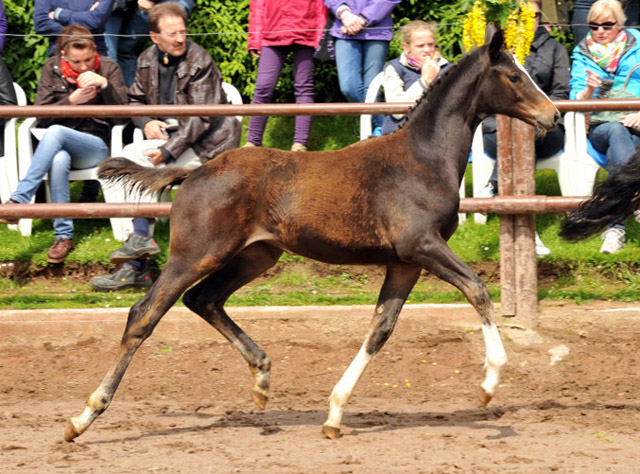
x=497, y=39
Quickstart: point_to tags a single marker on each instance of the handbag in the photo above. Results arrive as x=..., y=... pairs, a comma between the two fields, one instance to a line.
x=607, y=91
x=325, y=51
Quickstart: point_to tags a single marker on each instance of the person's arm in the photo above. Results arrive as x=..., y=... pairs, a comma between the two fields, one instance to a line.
x=93, y=18
x=376, y=10
x=256, y=15
x=42, y=24
x=7, y=92
x=206, y=88
x=561, y=74
x=394, y=89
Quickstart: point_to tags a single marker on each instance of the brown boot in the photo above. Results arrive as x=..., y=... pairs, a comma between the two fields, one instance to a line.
x=59, y=250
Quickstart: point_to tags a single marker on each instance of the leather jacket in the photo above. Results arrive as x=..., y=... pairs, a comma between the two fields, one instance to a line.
x=197, y=81
x=53, y=89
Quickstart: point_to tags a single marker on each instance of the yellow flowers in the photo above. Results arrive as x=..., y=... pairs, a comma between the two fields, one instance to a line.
x=474, y=26
x=519, y=23
x=519, y=31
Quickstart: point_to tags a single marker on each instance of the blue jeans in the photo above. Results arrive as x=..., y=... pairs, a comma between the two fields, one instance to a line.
x=616, y=141
x=358, y=62
x=125, y=49
x=60, y=150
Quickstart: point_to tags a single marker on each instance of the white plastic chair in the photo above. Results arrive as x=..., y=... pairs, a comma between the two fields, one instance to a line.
x=575, y=169
x=9, y=162
x=366, y=124
x=112, y=192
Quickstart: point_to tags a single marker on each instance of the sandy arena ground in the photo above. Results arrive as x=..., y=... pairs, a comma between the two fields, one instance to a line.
x=569, y=400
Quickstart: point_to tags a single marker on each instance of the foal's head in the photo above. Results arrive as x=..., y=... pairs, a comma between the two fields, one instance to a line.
x=506, y=88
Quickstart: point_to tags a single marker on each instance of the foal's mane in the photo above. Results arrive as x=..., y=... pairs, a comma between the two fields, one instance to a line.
x=441, y=85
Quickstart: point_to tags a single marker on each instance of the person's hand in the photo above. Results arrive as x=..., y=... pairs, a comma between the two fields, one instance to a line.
x=351, y=23
x=52, y=15
x=255, y=53
x=82, y=95
x=155, y=156
x=94, y=6
x=145, y=5
x=430, y=68
x=155, y=129
x=631, y=120
x=593, y=82
x=92, y=79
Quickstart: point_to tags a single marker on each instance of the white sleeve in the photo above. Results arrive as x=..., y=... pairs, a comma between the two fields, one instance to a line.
x=394, y=89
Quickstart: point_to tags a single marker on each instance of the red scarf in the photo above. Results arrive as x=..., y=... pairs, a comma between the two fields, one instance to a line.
x=72, y=76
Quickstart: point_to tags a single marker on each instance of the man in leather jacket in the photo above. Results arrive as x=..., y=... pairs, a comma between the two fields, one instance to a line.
x=172, y=71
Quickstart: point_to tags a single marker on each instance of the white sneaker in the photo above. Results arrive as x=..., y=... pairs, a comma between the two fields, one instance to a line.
x=541, y=249
x=636, y=215
x=614, y=240
x=487, y=192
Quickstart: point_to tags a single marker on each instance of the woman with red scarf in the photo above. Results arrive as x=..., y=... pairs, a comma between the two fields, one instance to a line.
x=76, y=75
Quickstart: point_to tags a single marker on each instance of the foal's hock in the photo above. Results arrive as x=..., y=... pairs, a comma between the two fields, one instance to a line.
x=389, y=201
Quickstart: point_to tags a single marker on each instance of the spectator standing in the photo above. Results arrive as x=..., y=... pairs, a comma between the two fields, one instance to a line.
x=50, y=16
x=277, y=28
x=127, y=32
x=7, y=97
x=407, y=77
x=172, y=71
x=609, y=52
x=362, y=32
x=76, y=75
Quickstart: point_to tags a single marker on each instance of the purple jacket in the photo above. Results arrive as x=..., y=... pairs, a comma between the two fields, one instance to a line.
x=376, y=12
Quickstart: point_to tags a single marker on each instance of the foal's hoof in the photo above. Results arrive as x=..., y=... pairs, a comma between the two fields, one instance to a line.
x=484, y=397
x=330, y=431
x=70, y=432
x=260, y=399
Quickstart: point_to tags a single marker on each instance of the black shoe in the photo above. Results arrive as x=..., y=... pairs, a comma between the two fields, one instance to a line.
x=134, y=248
x=124, y=277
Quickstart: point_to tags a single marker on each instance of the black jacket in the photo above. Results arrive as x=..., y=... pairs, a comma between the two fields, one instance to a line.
x=7, y=97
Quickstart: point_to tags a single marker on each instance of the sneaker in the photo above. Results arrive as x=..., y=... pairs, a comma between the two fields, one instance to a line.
x=249, y=145
x=377, y=132
x=135, y=247
x=9, y=220
x=614, y=240
x=487, y=192
x=541, y=249
x=124, y=277
x=59, y=250
x=298, y=147
x=636, y=215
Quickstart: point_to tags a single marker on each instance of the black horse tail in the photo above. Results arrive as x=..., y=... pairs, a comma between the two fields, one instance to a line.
x=614, y=199
x=140, y=178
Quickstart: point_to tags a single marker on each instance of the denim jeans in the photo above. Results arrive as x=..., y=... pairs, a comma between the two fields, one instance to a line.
x=272, y=59
x=60, y=150
x=125, y=49
x=616, y=141
x=358, y=62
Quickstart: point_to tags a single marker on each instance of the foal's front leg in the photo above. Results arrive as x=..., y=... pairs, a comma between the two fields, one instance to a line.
x=438, y=258
x=396, y=288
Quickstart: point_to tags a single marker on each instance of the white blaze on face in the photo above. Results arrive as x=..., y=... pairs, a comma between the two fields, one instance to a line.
x=526, y=73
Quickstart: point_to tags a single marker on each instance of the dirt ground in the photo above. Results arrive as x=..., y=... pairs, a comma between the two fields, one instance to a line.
x=569, y=400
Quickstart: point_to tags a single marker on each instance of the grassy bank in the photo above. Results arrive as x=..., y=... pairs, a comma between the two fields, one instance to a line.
x=575, y=271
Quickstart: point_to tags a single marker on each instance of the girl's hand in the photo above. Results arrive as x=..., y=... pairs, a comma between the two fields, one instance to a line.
x=83, y=95
x=92, y=79
x=351, y=23
x=430, y=68
x=631, y=120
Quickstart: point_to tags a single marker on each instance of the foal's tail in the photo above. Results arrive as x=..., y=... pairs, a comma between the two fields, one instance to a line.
x=140, y=178
x=614, y=199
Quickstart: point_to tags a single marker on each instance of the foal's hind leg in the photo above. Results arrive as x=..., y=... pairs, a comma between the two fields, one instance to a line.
x=396, y=288
x=439, y=259
x=208, y=297
x=143, y=317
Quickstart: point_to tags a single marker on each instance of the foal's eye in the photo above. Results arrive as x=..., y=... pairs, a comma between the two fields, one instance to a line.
x=513, y=77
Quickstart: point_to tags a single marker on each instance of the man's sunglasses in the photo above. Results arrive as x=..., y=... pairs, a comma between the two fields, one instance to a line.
x=606, y=25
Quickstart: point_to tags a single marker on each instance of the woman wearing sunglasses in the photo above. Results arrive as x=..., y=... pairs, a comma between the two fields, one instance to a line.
x=608, y=53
